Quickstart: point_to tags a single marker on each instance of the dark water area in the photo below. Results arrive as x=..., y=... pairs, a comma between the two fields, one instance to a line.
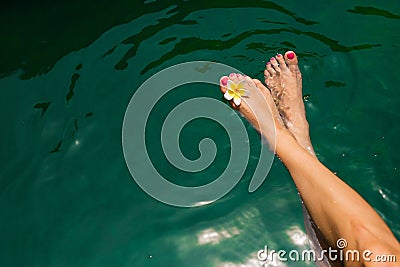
x=68, y=70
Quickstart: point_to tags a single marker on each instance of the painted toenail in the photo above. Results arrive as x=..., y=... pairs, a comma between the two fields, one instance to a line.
x=224, y=81
x=279, y=55
x=272, y=58
x=290, y=55
x=268, y=63
x=232, y=75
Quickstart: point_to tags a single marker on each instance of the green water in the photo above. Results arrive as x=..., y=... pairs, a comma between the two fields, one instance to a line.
x=68, y=71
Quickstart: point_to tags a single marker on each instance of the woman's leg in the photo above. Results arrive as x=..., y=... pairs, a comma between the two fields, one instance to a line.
x=338, y=211
x=283, y=78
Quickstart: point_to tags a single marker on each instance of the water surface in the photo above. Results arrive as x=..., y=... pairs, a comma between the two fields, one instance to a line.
x=68, y=71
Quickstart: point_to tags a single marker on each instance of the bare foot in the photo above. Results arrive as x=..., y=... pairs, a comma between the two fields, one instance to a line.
x=283, y=78
x=257, y=106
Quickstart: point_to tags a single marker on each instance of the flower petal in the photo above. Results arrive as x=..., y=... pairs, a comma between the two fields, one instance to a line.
x=237, y=100
x=241, y=84
x=231, y=85
x=228, y=95
x=243, y=92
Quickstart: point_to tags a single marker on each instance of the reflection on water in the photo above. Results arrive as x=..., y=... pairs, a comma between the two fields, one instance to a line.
x=68, y=73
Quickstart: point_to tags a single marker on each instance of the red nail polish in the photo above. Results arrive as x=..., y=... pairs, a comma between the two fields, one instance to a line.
x=224, y=81
x=268, y=63
x=290, y=55
x=272, y=58
x=278, y=55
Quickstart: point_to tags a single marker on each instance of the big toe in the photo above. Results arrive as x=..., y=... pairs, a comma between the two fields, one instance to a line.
x=223, y=82
x=291, y=60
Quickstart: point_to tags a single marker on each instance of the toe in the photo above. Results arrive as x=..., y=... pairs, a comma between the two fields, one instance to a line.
x=267, y=76
x=275, y=64
x=234, y=77
x=223, y=82
x=291, y=60
x=270, y=69
x=281, y=61
x=241, y=77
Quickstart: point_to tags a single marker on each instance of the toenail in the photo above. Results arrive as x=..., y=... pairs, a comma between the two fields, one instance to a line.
x=268, y=63
x=224, y=81
x=272, y=58
x=290, y=55
x=238, y=75
x=232, y=75
x=278, y=55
